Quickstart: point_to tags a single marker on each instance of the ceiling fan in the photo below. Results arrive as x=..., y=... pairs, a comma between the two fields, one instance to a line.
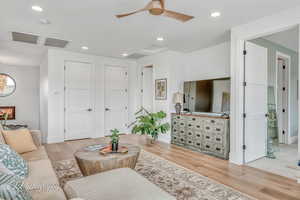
x=157, y=7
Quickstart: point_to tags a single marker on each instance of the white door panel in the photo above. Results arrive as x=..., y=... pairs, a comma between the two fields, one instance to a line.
x=256, y=105
x=116, y=99
x=147, y=82
x=78, y=101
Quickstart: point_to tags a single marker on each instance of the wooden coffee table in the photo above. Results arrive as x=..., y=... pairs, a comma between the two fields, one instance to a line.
x=92, y=162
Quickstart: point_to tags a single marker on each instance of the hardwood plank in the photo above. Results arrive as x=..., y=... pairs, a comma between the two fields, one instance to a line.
x=254, y=182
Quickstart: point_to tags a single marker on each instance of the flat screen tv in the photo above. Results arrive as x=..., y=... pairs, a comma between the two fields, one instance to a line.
x=212, y=96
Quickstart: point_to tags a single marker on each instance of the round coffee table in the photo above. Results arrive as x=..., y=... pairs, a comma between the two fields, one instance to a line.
x=92, y=162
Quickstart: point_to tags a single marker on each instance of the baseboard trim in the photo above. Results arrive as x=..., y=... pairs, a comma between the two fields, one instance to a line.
x=293, y=139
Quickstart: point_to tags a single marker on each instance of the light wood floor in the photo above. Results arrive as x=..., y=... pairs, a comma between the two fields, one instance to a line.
x=256, y=183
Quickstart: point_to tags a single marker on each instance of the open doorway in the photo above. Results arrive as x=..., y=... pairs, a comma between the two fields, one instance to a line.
x=271, y=103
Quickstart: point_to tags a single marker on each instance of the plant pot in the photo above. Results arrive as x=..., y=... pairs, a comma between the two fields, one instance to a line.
x=114, y=147
x=150, y=140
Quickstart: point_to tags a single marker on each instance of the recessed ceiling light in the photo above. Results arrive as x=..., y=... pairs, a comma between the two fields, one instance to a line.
x=160, y=39
x=84, y=48
x=215, y=14
x=45, y=21
x=37, y=8
x=124, y=54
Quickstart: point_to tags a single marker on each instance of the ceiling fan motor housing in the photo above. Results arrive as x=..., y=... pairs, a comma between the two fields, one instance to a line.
x=156, y=8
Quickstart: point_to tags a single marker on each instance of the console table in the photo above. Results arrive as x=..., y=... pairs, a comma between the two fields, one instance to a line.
x=202, y=132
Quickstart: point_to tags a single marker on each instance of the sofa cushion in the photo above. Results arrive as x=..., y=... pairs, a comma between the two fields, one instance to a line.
x=11, y=188
x=13, y=161
x=42, y=183
x=20, y=140
x=39, y=154
x=123, y=184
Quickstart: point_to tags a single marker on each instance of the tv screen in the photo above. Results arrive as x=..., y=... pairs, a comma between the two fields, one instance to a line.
x=207, y=96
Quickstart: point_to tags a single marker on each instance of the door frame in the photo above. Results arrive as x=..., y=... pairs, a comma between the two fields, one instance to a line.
x=142, y=83
x=240, y=34
x=284, y=139
x=92, y=97
x=104, y=92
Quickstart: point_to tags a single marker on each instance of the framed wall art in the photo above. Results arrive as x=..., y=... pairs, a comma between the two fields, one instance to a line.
x=161, y=89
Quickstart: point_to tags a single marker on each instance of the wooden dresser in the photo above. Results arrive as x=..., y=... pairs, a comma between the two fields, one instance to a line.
x=203, y=133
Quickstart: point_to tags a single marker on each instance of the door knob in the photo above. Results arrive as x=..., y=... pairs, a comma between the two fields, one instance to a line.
x=107, y=109
x=89, y=110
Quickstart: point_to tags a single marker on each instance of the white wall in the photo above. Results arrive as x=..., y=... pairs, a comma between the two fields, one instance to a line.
x=213, y=62
x=26, y=96
x=55, y=93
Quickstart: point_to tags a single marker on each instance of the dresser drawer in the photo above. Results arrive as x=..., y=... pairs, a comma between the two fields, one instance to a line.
x=178, y=117
x=208, y=127
x=219, y=129
x=208, y=146
x=198, y=135
x=198, y=144
x=182, y=140
x=190, y=141
x=208, y=137
x=213, y=121
x=190, y=133
x=219, y=138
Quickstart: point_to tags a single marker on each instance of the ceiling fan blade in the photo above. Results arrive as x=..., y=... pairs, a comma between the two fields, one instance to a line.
x=128, y=14
x=178, y=16
x=162, y=2
x=149, y=6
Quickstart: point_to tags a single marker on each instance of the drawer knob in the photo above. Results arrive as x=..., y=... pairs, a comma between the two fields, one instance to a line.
x=218, y=139
x=207, y=146
x=198, y=135
x=190, y=125
x=218, y=149
x=194, y=119
x=217, y=129
x=207, y=137
x=182, y=140
x=181, y=131
x=198, y=144
x=207, y=128
x=190, y=142
x=198, y=126
x=213, y=121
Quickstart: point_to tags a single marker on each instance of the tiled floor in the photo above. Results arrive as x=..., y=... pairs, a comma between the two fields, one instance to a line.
x=285, y=163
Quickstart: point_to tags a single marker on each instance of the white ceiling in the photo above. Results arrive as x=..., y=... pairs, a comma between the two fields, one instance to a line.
x=288, y=39
x=92, y=23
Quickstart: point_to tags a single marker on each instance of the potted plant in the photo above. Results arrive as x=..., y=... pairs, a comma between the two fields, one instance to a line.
x=150, y=124
x=114, y=140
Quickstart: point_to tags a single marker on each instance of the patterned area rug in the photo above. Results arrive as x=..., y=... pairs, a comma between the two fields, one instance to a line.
x=182, y=183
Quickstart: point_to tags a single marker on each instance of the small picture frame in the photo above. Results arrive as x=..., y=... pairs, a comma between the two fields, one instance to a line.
x=10, y=110
x=161, y=89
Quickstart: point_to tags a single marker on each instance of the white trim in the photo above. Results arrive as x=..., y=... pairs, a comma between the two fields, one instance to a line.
x=293, y=139
x=265, y=26
x=285, y=56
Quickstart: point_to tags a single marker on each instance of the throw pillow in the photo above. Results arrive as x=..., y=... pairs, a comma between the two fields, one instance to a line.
x=12, y=188
x=20, y=140
x=13, y=161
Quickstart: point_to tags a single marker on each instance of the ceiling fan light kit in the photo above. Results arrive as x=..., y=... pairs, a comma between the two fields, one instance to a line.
x=156, y=8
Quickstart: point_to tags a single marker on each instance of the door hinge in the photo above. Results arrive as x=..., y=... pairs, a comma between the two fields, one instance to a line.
x=283, y=132
x=126, y=90
x=142, y=73
x=244, y=52
x=244, y=147
x=65, y=109
x=283, y=88
x=126, y=73
x=283, y=110
x=283, y=66
x=125, y=107
x=65, y=67
x=142, y=90
x=245, y=84
x=244, y=115
x=65, y=88
x=65, y=130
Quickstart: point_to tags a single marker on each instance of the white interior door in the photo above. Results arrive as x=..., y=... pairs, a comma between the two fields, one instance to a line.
x=148, y=90
x=256, y=67
x=79, y=102
x=116, y=99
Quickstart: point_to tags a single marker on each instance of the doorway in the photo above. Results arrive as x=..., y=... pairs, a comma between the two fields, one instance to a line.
x=79, y=101
x=116, y=99
x=271, y=103
x=147, y=88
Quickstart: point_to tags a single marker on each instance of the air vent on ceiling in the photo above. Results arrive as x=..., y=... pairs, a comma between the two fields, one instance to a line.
x=52, y=42
x=24, y=37
x=154, y=49
x=136, y=56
